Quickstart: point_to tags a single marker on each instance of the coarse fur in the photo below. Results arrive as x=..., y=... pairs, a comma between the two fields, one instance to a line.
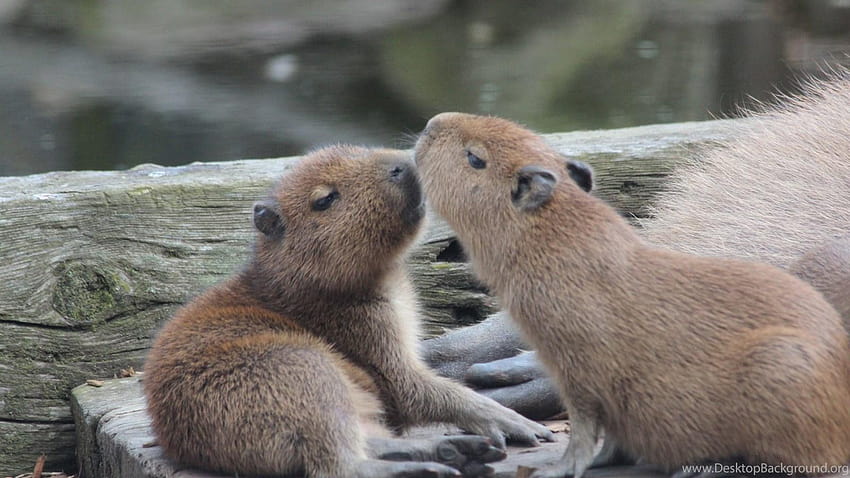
x=779, y=190
x=779, y=193
x=681, y=359
x=302, y=362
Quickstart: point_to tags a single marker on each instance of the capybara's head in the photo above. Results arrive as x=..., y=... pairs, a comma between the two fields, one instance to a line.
x=339, y=219
x=487, y=174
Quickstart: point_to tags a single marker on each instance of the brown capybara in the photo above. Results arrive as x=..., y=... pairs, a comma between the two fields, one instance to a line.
x=302, y=362
x=681, y=359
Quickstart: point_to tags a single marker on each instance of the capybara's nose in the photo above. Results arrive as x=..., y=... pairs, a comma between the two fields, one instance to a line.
x=400, y=171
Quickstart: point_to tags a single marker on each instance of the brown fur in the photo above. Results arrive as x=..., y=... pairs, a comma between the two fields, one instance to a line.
x=293, y=364
x=778, y=191
x=679, y=358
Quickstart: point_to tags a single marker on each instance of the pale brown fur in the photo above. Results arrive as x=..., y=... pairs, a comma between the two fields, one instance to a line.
x=294, y=364
x=827, y=268
x=679, y=358
x=775, y=194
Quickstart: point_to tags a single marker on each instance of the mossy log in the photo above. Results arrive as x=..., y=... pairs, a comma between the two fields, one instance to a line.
x=94, y=262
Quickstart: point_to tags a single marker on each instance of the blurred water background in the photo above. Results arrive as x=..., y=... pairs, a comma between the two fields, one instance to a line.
x=109, y=84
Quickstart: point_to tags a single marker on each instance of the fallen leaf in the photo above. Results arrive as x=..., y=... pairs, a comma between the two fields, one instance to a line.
x=524, y=471
x=94, y=383
x=557, y=426
x=39, y=467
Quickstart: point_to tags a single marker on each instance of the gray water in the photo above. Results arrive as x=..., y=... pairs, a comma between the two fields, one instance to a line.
x=109, y=85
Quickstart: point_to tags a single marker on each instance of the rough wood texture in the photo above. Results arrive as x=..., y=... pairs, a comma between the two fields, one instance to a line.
x=93, y=262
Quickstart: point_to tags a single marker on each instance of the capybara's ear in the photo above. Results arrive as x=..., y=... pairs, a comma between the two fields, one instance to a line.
x=533, y=188
x=267, y=220
x=581, y=173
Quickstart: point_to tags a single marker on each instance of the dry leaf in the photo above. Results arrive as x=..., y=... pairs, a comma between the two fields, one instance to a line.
x=95, y=383
x=524, y=471
x=39, y=467
x=127, y=372
x=557, y=426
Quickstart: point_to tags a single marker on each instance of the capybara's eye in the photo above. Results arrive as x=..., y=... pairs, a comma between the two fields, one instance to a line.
x=325, y=202
x=475, y=161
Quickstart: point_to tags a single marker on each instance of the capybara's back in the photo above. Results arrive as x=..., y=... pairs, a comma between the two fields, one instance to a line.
x=773, y=194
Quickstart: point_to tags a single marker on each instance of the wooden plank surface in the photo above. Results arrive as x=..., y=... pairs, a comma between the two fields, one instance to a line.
x=115, y=440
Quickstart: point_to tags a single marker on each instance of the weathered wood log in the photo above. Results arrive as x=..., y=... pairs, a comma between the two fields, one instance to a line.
x=115, y=440
x=94, y=262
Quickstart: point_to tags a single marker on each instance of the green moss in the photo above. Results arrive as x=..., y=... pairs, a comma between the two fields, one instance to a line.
x=14, y=443
x=87, y=295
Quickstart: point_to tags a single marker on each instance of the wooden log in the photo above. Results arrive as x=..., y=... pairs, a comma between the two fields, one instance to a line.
x=94, y=262
x=115, y=439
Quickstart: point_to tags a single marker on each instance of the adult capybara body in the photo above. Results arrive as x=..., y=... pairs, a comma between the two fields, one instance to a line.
x=680, y=358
